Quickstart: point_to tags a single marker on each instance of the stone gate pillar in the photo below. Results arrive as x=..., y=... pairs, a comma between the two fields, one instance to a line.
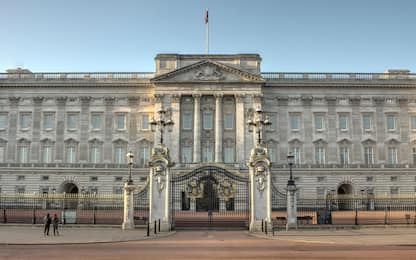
x=159, y=190
x=128, y=216
x=260, y=199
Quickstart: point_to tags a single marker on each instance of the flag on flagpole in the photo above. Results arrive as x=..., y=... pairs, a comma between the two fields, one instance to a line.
x=206, y=16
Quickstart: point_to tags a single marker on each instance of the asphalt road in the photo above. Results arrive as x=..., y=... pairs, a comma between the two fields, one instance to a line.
x=209, y=245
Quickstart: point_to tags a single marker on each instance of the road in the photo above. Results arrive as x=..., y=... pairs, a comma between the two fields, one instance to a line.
x=209, y=245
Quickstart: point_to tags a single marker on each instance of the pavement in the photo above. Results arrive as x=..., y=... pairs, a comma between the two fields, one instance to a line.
x=77, y=234
x=33, y=235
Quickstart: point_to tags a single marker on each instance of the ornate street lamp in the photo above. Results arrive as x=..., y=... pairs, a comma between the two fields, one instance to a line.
x=130, y=157
x=290, y=160
x=256, y=123
x=161, y=123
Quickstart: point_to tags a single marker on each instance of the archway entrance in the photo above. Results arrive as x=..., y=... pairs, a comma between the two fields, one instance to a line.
x=343, y=192
x=210, y=197
x=71, y=196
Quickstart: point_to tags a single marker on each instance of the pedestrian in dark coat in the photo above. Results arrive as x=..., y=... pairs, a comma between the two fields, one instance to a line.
x=55, y=223
x=47, y=222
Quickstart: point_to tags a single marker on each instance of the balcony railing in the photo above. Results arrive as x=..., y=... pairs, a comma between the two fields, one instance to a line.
x=337, y=76
x=78, y=76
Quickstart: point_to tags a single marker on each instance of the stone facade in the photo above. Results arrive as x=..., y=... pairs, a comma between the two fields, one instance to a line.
x=69, y=132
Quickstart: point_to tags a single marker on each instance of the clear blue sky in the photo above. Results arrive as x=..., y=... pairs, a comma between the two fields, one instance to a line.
x=291, y=35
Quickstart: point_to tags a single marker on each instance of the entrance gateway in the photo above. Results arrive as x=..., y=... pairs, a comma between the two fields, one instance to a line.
x=210, y=197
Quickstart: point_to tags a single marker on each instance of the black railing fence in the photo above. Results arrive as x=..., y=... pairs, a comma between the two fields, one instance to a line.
x=70, y=208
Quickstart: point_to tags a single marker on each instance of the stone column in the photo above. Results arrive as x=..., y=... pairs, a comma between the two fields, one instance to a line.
x=356, y=131
x=381, y=130
x=159, y=190
x=108, y=129
x=291, y=207
x=331, y=154
x=240, y=128
x=283, y=126
x=13, y=125
x=309, y=129
x=218, y=128
x=60, y=128
x=128, y=216
x=36, y=129
x=197, y=128
x=175, y=143
x=84, y=126
x=260, y=199
x=405, y=152
x=133, y=102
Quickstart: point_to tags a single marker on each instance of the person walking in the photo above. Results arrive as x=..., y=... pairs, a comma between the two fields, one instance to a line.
x=47, y=222
x=55, y=223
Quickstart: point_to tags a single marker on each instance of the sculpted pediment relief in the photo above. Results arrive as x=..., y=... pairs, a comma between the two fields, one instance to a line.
x=208, y=71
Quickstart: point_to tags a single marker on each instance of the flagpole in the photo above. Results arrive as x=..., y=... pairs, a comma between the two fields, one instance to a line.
x=206, y=32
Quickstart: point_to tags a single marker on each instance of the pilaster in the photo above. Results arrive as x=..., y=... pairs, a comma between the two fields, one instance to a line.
x=197, y=129
x=13, y=119
x=283, y=126
x=404, y=127
x=60, y=128
x=356, y=127
x=108, y=129
x=309, y=129
x=84, y=127
x=331, y=155
x=240, y=128
x=174, y=144
x=218, y=128
x=381, y=129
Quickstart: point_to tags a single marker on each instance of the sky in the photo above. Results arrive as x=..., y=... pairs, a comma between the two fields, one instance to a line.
x=126, y=35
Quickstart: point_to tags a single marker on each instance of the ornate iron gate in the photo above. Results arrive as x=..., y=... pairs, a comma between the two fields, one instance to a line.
x=210, y=197
x=141, y=206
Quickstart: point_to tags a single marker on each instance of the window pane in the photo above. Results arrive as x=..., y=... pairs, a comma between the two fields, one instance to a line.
x=343, y=122
x=413, y=122
x=186, y=121
x=3, y=121
x=47, y=154
x=25, y=121
x=119, y=155
x=70, y=154
x=319, y=155
x=296, y=153
x=368, y=155
x=319, y=122
x=228, y=154
x=344, y=155
x=207, y=154
x=95, y=121
x=72, y=121
x=2, y=153
x=207, y=120
x=272, y=153
x=228, y=121
x=145, y=122
x=391, y=122
x=95, y=156
x=392, y=155
x=23, y=154
x=121, y=121
x=48, y=121
x=186, y=154
x=144, y=155
x=294, y=122
x=367, y=122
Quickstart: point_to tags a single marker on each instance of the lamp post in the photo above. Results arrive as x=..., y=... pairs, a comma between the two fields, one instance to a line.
x=257, y=122
x=160, y=124
x=290, y=160
x=130, y=157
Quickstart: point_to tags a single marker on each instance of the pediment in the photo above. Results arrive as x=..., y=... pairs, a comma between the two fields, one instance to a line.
x=208, y=71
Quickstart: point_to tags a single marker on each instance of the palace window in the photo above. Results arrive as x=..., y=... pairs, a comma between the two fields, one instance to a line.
x=367, y=122
x=2, y=153
x=391, y=122
x=3, y=121
x=319, y=154
x=343, y=122
x=392, y=155
x=319, y=122
x=144, y=153
x=368, y=154
x=120, y=152
x=47, y=151
x=70, y=153
x=145, y=122
x=296, y=153
x=95, y=151
x=187, y=121
x=72, y=121
x=207, y=120
x=272, y=149
x=207, y=152
x=25, y=120
x=229, y=151
x=229, y=121
x=96, y=121
x=294, y=121
x=121, y=121
x=23, y=151
x=186, y=154
x=48, y=121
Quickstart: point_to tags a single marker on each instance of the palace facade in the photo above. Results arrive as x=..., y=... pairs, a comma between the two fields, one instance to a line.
x=350, y=133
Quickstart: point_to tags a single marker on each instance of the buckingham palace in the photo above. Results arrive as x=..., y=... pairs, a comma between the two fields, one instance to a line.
x=70, y=131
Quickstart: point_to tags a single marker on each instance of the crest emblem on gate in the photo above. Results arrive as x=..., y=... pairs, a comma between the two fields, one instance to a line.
x=194, y=189
x=226, y=190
